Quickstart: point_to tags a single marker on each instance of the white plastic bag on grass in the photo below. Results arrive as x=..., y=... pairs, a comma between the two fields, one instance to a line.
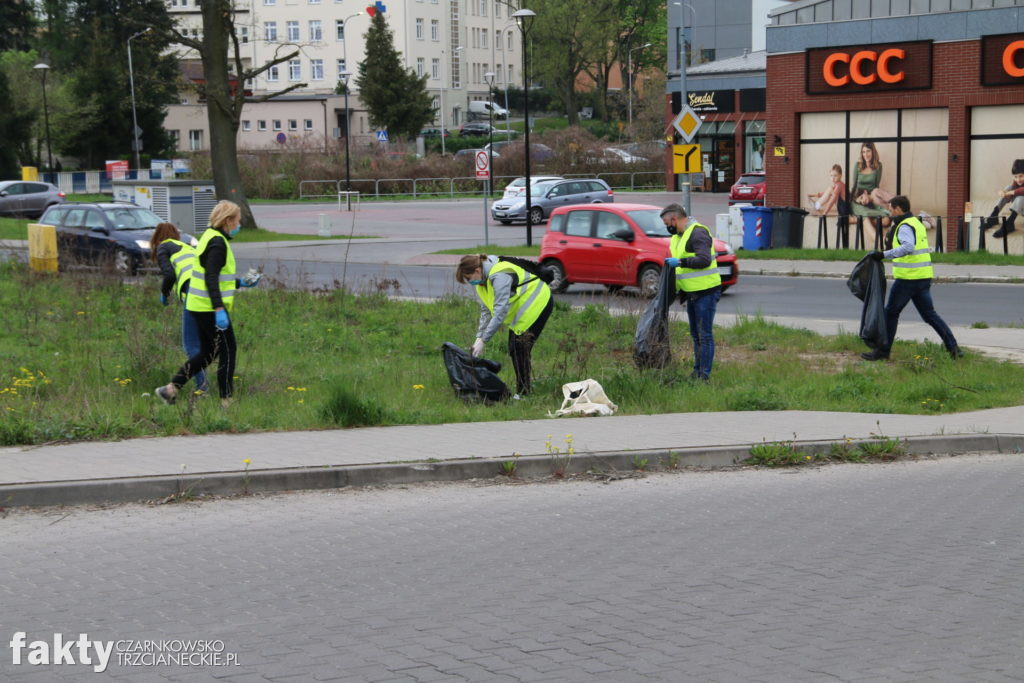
x=585, y=398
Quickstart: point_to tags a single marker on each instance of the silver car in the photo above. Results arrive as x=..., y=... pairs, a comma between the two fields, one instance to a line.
x=548, y=196
x=27, y=198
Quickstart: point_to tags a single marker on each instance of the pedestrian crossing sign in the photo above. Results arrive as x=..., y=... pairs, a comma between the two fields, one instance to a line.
x=382, y=136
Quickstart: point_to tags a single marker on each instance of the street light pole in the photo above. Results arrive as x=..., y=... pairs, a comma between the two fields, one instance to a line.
x=489, y=77
x=524, y=18
x=344, y=75
x=46, y=115
x=629, y=74
x=135, y=121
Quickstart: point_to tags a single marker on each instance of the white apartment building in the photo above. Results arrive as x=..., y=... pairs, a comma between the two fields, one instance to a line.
x=453, y=42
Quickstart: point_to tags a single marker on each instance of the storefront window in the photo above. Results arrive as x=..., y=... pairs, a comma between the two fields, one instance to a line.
x=754, y=146
x=996, y=152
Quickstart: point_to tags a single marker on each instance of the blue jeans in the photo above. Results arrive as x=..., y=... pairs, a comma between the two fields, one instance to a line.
x=701, y=312
x=190, y=341
x=919, y=291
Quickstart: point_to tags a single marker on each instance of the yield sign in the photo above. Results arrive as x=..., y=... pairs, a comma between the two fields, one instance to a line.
x=687, y=122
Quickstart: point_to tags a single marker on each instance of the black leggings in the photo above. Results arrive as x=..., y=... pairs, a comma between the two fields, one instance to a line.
x=213, y=344
x=520, y=346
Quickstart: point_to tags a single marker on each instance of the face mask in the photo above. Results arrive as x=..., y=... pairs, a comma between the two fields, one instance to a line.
x=476, y=283
x=235, y=231
x=671, y=228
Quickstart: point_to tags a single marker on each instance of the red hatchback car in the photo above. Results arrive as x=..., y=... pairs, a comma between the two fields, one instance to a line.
x=749, y=189
x=617, y=245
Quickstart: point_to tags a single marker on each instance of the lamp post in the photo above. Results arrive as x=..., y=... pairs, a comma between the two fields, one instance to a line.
x=629, y=74
x=524, y=19
x=344, y=37
x=683, y=58
x=131, y=81
x=344, y=75
x=46, y=114
x=489, y=77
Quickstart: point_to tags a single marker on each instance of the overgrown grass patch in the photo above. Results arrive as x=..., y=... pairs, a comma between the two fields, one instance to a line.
x=81, y=353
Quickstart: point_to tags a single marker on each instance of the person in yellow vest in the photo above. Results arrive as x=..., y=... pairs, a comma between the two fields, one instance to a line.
x=511, y=295
x=698, y=282
x=211, y=293
x=912, y=278
x=175, y=260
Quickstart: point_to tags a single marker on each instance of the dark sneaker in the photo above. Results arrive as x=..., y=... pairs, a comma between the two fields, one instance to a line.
x=956, y=353
x=990, y=222
x=875, y=355
x=164, y=395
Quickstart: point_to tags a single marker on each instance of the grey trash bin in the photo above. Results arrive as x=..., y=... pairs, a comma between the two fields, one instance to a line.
x=788, y=226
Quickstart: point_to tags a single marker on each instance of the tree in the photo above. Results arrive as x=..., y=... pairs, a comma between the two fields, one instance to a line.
x=396, y=99
x=17, y=24
x=224, y=76
x=14, y=127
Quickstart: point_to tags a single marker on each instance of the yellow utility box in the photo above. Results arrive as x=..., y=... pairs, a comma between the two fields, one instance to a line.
x=30, y=173
x=42, y=248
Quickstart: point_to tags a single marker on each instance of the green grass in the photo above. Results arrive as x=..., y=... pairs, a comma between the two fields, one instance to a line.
x=520, y=250
x=81, y=349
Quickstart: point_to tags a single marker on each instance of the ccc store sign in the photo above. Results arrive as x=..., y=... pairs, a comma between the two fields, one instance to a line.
x=869, y=68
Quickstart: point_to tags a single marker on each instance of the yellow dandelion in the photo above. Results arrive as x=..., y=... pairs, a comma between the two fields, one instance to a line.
x=247, y=461
x=417, y=386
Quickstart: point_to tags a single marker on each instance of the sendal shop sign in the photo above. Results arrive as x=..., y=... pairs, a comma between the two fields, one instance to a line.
x=709, y=101
x=869, y=68
x=1002, y=59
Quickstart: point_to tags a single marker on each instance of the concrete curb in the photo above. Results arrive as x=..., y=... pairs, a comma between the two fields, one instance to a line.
x=187, y=486
x=980, y=279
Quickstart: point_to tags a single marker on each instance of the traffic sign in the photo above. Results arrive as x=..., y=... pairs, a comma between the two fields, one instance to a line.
x=382, y=136
x=686, y=159
x=482, y=162
x=687, y=122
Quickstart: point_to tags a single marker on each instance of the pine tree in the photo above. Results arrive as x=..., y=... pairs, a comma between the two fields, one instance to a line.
x=396, y=98
x=14, y=128
x=17, y=24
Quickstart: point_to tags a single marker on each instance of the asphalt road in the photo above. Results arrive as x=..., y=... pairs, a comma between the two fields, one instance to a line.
x=901, y=572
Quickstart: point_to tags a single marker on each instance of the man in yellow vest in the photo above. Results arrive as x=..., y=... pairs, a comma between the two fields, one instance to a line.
x=698, y=282
x=912, y=278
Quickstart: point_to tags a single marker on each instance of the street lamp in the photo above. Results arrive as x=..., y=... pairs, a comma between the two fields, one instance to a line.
x=524, y=19
x=629, y=74
x=344, y=75
x=344, y=38
x=489, y=77
x=46, y=113
x=131, y=81
x=684, y=58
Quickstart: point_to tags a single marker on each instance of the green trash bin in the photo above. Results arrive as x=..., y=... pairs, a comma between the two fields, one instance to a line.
x=788, y=226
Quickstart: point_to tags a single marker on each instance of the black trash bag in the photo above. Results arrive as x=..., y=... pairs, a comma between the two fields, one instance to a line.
x=531, y=267
x=867, y=283
x=650, y=346
x=473, y=379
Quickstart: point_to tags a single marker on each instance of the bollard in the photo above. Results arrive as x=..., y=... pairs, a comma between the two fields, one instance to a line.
x=42, y=248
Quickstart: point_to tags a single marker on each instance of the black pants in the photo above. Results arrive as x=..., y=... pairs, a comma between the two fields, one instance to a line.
x=213, y=344
x=520, y=346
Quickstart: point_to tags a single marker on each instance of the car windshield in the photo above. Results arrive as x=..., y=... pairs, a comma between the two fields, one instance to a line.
x=126, y=218
x=650, y=222
x=750, y=179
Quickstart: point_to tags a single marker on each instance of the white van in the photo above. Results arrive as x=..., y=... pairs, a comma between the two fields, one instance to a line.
x=483, y=109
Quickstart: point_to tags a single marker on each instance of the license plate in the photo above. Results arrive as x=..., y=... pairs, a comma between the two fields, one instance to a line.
x=499, y=214
x=746, y=190
x=725, y=271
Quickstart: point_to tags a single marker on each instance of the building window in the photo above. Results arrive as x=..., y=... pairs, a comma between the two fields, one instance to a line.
x=294, y=70
x=272, y=73
x=243, y=34
x=341, y=67
x=246, y=125
x=510, y=43
x=195, y=140
x=497, y=9
x=435, y=30
x=269, y=2
x=497, y=40
x=316, y=33
x=707, y=55
x=316, y=67
x=419, y=66
x=308, y=124
x=435, y=68
x=293, y=31
x=483, y=38
x=270, y=31
x=276, y=123
x=339, y=29
x=509, y=74
x=176, y=136
x=483, y=8
x=474, y=39
x=293, y=124
x=419, y=29
x=261, y=125
x=314, y=2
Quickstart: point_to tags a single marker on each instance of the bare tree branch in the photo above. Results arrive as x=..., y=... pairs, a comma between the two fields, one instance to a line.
x=264, y=98
x=251, y=73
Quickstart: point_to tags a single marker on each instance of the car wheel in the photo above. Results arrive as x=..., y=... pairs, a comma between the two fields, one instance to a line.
x=558, y=282
x=123, y=264
x=649, y=280
x=505, y=222
x=536, y=215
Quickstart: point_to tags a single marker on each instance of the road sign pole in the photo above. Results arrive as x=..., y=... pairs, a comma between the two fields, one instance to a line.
x=486, y=226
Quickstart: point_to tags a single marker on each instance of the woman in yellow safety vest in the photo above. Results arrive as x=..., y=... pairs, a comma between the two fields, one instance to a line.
x=211, y=293
x=508, y=294
x=176, y=260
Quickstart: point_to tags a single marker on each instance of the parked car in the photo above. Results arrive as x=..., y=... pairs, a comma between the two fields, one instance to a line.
x=485, y=109
x=108, y=233
x=617, y=245
x=546, y=197
x=749, y=189
x=434, y=133
x=517, y=188
x=27, y=198
x=476, y=128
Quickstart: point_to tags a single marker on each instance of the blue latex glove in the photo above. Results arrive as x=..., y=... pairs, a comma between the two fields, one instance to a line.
x=672, y=262
x=221, y=320
x=163, y=299
x=243, y=283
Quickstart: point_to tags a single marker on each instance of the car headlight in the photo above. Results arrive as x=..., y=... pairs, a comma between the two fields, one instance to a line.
x=142, y=244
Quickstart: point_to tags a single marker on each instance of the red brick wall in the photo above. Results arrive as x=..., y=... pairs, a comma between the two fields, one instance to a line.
x=956, y=85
